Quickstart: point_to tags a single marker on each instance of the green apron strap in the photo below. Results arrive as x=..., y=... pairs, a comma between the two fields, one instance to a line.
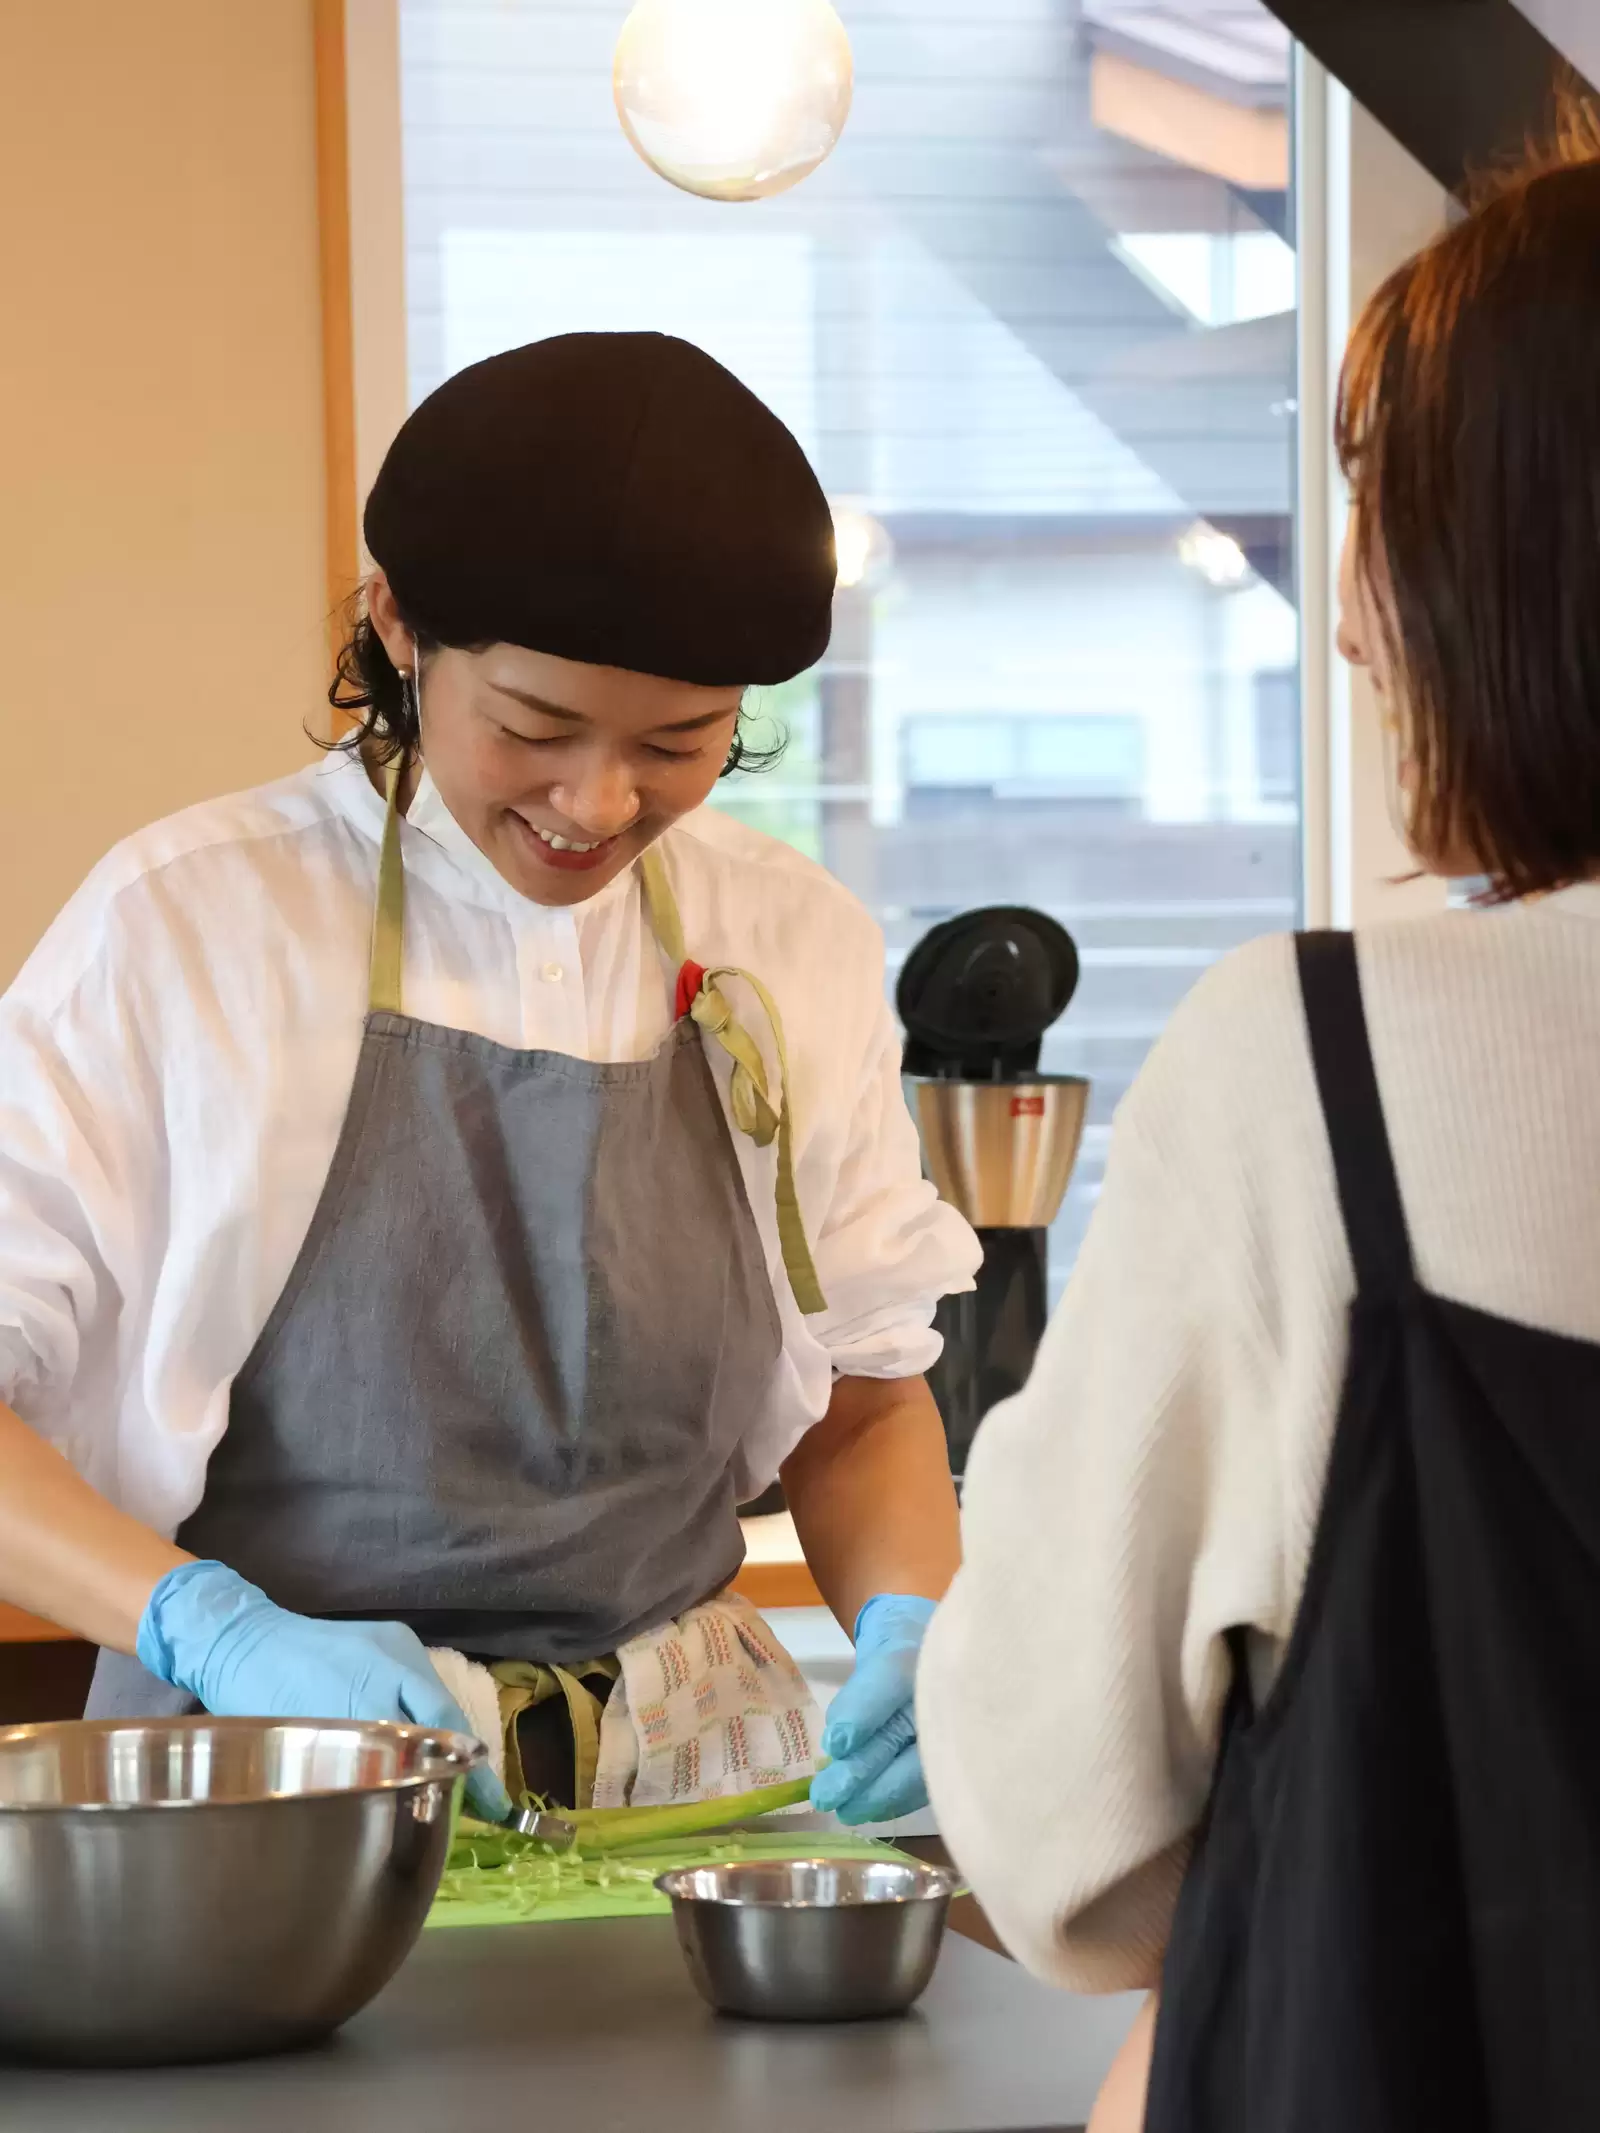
x=754, y=1111
x=583, y=1714
x=389, y=918
x=662, y=907
x=714, y=1015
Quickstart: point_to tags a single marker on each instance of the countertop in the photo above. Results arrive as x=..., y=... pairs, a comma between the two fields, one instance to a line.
x=596, y=2028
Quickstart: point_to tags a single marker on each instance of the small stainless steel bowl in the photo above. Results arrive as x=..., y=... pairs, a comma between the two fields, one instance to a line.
x=810, y=1940
x=211, y=1888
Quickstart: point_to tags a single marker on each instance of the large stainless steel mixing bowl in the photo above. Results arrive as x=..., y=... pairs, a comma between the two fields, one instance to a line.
x=810, y=1940
x=207, y=1888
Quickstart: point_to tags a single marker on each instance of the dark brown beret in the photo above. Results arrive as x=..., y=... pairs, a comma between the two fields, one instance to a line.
x=616, y=498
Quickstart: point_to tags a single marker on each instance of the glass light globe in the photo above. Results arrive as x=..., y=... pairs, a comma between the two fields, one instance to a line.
x=733, y=99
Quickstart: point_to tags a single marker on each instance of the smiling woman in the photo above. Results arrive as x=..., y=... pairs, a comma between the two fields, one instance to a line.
x=467, y=1325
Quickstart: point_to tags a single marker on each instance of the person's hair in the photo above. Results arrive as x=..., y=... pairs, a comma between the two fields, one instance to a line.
x=367, y=688
x=1468, y=427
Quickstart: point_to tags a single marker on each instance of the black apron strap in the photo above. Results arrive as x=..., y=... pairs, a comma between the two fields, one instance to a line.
x=1363, y=1162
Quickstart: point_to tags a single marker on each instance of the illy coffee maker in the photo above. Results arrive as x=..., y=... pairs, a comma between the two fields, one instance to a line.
x=999, y=1138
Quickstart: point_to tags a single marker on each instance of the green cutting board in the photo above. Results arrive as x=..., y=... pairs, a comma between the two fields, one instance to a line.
x=553, y=1889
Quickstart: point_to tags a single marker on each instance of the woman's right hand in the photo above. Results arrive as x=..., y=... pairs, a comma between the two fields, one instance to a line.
x=208, y=1631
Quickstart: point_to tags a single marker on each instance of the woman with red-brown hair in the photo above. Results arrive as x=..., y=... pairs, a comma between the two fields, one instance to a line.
x=1273, y=1675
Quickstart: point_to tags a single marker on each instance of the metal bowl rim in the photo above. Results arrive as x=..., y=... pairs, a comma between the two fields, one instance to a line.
x=1012, y=1081
x=461, y=1754
x=935, y=1884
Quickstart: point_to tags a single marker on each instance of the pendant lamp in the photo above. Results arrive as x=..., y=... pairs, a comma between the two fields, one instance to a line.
x=733, y=99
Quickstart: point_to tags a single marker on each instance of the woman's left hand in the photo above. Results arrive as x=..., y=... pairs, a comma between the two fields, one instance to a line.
x=875, y=1773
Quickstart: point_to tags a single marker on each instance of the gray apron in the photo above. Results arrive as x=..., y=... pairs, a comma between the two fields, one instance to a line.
x=501, y=1394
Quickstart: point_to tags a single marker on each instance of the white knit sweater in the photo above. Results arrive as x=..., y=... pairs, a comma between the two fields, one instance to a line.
x=1160, y=1478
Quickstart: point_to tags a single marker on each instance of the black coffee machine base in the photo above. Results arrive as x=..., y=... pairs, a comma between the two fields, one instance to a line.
x=991, y=1334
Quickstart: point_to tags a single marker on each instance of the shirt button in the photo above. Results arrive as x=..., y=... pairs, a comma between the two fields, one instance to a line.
x=552, y=973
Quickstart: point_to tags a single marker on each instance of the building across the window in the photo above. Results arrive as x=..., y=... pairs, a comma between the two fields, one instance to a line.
x=1083, y=759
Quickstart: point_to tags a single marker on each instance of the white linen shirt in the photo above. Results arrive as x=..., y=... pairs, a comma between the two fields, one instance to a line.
x=177, y=1054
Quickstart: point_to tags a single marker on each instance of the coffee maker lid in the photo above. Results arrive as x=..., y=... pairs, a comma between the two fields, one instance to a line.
x=978, y=992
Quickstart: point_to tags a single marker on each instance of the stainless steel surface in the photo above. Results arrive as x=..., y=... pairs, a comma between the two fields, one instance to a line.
x=544, y=1828
x=1001, y=1151
x=206, y=1888
x=813, y=1940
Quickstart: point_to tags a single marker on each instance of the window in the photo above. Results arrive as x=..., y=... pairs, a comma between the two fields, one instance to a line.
x=994, y=758
x=1034, y=322
x=1277, y=693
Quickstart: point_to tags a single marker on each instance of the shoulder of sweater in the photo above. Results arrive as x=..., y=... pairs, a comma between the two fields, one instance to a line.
x=1236, y=1047
x=1221, y=1138
x=1225, y=1050
x=1425, y=965
x=166, y=855
x=1225, y=1121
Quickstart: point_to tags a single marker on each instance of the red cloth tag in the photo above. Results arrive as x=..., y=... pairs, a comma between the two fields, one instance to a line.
x=690, y=979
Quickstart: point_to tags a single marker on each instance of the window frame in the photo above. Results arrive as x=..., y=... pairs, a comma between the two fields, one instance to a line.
x=1362, y=205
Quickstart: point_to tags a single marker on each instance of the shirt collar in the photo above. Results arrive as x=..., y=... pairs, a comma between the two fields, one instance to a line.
x=445, y=854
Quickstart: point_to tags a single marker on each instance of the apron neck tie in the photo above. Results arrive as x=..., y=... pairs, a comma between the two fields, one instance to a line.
x=389, y=914
x=755, y=1111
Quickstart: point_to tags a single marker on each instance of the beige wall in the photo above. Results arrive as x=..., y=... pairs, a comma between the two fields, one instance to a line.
x=161, y=457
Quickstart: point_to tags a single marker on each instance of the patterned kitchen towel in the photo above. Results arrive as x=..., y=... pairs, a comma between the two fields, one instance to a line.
x=706, y=1707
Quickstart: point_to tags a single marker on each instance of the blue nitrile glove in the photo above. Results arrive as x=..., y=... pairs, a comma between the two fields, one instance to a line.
x=208, y=1631
x=875, y=1772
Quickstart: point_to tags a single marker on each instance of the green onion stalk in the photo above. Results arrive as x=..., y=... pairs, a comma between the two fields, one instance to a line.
x=610, y=1830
